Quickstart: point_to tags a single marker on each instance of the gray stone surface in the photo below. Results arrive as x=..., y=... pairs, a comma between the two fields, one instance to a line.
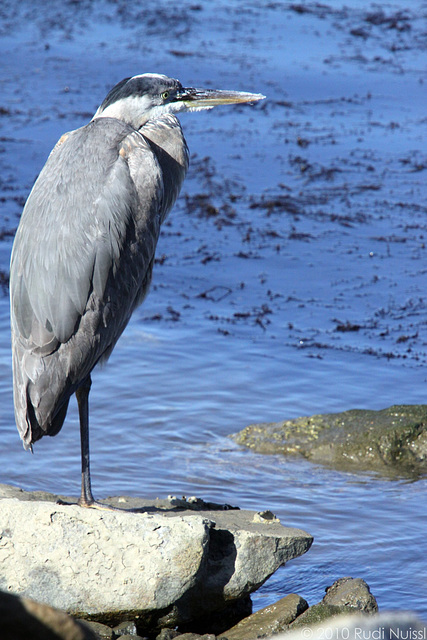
x=268, y=621
x=117, y=565
x=101, y=631
x=167, y=634
x=88, y=561
x=392, y=441
x=345, y=596
x=127, y=627
x=353, y=593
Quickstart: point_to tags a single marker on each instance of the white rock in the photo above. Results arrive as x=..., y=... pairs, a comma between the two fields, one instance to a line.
x=89, y=561
x=173, y=564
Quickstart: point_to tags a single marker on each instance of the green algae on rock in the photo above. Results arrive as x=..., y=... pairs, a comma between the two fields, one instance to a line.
x=392, y=441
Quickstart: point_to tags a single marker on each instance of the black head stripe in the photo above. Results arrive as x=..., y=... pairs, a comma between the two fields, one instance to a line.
x=114, y=94
x=138, y=86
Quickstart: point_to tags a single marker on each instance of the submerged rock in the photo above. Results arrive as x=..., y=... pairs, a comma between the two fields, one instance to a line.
x=392, y=441
x=161, y=569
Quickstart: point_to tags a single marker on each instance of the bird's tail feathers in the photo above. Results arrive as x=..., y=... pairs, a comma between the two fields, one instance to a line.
x=38, y=412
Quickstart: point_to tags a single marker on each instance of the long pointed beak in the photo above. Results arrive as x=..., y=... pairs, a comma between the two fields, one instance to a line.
x=208, y=98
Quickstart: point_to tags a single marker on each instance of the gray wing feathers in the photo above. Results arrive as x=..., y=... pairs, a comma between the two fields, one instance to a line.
x=81, y=262
x=72, y=228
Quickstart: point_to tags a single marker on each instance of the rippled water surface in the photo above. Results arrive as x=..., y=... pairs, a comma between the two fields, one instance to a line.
x=290, y=277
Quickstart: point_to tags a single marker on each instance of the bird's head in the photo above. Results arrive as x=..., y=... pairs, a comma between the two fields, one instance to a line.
x=140, y=98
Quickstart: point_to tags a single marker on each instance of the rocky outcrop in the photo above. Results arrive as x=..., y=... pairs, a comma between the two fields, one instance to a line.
x=161, y=564
x=348, y=610
x=268, y=621
x=392, y=441
x=346, y=595
x=353, y=593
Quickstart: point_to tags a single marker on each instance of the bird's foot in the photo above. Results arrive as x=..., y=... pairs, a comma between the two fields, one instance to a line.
x=94, y=504
x=90, y=504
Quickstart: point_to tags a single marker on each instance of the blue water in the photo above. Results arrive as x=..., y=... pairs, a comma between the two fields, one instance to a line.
x=241, y=322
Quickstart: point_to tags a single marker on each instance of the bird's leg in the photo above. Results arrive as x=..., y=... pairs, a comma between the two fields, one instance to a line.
x=82, y=394
x=86, y=498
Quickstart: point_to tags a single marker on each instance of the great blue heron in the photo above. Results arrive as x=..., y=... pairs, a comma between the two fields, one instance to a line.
x=84, y=250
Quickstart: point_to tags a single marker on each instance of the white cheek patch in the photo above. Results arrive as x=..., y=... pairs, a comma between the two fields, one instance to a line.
x=128, y=109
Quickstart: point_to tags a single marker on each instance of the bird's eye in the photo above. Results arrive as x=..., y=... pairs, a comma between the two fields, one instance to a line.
x=165, y=95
